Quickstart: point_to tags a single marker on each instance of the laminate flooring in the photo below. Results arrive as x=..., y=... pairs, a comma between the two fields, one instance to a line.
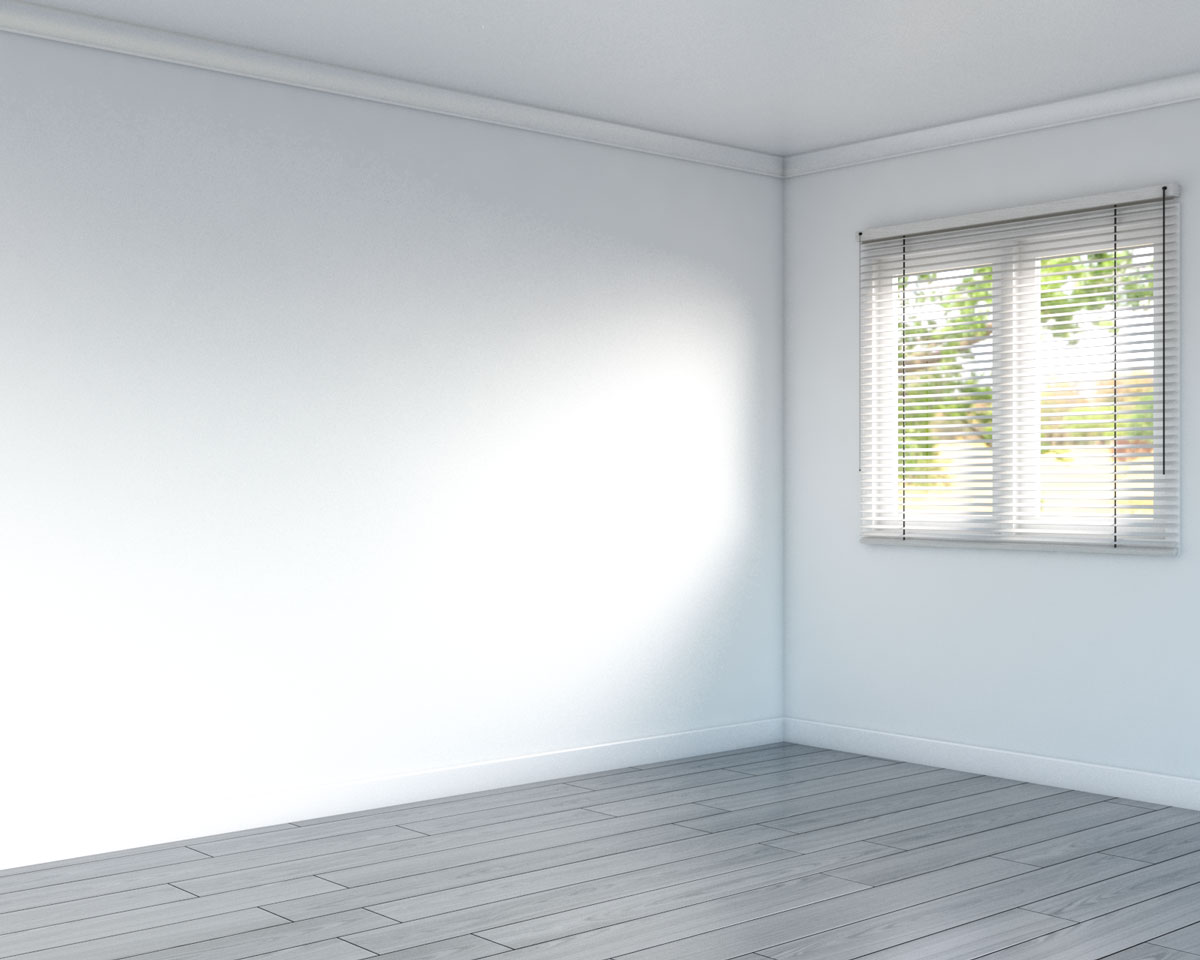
x=784, y=852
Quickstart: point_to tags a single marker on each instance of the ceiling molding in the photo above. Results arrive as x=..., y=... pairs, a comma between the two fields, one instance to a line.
x=33, y=20
x=1111, y=103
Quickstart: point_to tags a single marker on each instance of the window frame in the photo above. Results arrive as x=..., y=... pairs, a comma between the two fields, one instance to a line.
x=1012, y=522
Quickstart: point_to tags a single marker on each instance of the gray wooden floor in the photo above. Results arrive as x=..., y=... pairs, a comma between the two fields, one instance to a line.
x=785, y=851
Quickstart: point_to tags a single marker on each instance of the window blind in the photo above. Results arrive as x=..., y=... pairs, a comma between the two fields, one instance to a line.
x=1019, y=377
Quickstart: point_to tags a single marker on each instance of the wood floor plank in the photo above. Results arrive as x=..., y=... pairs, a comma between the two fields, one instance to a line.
x=493, y=849
x=737, y=762
x=865, y=771
x=275, y=838
x=758, y=935
x=671, y=768
x=785, y=764
x=943, y=785
x=325, y=950
x=555, y=926
x=673, y=925
x=1109, y=895
x=138, y=942
x=442, y=821
x=594, y=799
x=127, y=921
x=292, y=860
x=1151, y=951
x=300, y=848
x=235, y=834
x=1098, y=938
x=1186, y=939
x=825, y=814
x=34, y=917
x=98, y=868
x=934, y=916
x=1104, y=837
x=798, y=762
x=408, y=857
x=962, y=849
x=710, y=761
x=767, y=754
x=632, y=775
x=976, y=939
x=813, y=780
x=466, y=874
x=926, y=814
x=268, y=940
x=556, y=899
x=598, y=872
x=459, y=948
x=113, y=854
x=484, y=818
x=1164, y=846
x=988, y=819
x=341, y=850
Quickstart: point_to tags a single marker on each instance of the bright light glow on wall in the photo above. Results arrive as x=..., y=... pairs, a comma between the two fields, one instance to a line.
x=561, y=525
x=341, y=443
x=625, y=489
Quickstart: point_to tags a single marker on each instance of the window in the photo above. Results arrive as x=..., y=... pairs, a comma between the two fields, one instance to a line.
x=1020, y=377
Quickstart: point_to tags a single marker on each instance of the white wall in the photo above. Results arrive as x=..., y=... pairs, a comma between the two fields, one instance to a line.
x=342, y=443
x=1082, y=658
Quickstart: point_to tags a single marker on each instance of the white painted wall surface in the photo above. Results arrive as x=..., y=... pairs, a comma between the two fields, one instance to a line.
x=342, y=443
x=1076, y=657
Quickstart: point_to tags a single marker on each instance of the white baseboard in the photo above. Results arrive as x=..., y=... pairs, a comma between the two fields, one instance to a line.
x=1051, y=771
x=279, y=803
x=186, y=815
x=513, y=771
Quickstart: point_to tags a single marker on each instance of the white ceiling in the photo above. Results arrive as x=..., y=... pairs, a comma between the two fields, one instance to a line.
x=779, y=76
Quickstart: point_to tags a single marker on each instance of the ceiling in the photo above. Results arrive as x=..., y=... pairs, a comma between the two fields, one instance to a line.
x=778, y=76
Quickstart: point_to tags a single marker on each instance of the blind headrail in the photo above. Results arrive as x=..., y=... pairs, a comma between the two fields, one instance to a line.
x=1015, y=214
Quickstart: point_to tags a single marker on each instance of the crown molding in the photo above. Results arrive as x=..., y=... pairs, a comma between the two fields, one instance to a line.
x=47, y=23
x=1110, y=103
x=34, y=20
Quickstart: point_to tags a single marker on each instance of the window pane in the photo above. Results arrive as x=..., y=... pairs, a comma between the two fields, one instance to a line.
x=946, y=378
x=1096, y=348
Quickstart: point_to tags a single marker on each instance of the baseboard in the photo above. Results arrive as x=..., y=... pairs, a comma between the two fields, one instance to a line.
x=1051, y=771
x=264, y=804
x=512, y=771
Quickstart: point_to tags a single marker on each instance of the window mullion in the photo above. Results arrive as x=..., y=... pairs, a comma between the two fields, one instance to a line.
x=1006, y=420
x=1026, y=397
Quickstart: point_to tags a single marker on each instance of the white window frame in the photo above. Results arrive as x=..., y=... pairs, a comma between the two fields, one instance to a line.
x=1012, y=522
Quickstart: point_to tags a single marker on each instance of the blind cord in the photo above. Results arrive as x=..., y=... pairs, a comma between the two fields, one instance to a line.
x=1114, y=381
x=862, y=315
x=1162, y=321
x=903, y=390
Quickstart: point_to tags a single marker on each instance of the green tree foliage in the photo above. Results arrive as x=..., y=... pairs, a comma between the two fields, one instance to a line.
x=946, y=388
x=946, y=349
